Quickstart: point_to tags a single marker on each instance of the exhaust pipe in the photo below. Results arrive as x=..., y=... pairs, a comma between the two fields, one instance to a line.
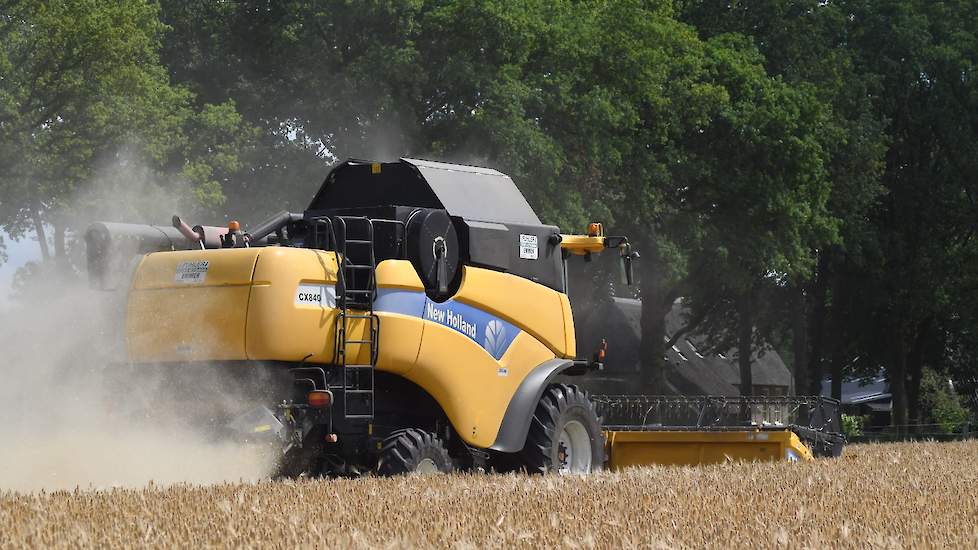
x=210, y=236
x=187, y=231
x=112, y=246
x=204, y=236
x=271, y=225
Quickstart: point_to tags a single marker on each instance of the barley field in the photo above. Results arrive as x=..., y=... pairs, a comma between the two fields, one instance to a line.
x=879, y=496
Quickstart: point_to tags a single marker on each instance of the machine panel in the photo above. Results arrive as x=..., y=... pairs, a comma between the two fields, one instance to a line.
x=292, y=310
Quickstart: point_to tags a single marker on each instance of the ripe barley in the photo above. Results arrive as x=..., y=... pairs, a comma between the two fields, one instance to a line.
x=897, y=495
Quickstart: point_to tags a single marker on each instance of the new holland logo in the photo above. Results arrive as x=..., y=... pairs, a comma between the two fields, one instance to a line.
x=495, y=341
x=450, y=318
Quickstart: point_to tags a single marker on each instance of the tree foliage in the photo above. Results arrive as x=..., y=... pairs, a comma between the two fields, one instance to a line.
x=83, y=89
x=801, y=171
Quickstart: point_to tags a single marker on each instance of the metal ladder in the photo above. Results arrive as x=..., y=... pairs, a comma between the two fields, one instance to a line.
x=357, y=305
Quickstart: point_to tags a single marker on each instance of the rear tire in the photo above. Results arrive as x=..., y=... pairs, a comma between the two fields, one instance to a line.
x=565, y=434
x=413, y=451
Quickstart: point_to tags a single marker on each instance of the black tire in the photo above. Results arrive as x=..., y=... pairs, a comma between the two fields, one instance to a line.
x=411, y=451
x=561, y=407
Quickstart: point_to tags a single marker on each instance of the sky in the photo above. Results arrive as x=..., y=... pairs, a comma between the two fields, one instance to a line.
x=18, y=253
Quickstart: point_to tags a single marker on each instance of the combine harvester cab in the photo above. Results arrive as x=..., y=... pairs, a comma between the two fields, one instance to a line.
x=413, y=318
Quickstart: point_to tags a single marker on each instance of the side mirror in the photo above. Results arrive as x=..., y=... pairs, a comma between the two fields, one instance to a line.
x=627, y=255
x=627, y=259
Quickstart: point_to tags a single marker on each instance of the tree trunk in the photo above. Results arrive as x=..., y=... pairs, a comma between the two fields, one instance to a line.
x=745, y=328
x=897, y=376
x=816, y=324
x=59, y=241
x=915, y=367
x=42, y=238
x=799, y=336
x=838, y=361
x=652, y=352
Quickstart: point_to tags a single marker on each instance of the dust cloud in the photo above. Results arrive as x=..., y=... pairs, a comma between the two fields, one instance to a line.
x=74, y=414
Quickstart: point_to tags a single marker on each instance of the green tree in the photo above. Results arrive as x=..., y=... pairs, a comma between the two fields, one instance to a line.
x=612, y=110
x=804, y=42
x=83, y=89
x=900, y=79
x=941, y=404
x=924, y=55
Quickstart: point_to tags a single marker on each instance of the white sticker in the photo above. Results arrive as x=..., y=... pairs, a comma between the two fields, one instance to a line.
x=315, y=295
x=528, y=247
x=502, y=371
x=192, y=272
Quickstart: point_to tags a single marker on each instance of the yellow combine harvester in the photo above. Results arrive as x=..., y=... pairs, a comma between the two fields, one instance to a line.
x=413, y=318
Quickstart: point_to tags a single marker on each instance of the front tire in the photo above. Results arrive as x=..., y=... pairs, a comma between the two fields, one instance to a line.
x=565, y=434
x=413, y=451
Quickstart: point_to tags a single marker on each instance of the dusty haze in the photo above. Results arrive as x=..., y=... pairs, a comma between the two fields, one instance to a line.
x=67, y=418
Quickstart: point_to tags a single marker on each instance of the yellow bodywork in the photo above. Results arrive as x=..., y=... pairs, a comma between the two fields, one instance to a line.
x=470, y=353
x=278, y=304
x=581, y=245
x=203, y=319
x=639, y=448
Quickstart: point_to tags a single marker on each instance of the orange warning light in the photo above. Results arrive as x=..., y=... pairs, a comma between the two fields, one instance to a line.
x=320, y=398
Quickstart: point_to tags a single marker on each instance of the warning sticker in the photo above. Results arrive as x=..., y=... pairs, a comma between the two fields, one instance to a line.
x=192, y=272
x=528, y=247
x=315, y=295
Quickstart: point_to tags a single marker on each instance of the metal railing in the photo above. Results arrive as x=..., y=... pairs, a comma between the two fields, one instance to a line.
x=703, y=411
x=816, y=420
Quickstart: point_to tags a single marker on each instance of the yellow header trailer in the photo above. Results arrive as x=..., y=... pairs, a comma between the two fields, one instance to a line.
x=681, y=448
x=688, y=430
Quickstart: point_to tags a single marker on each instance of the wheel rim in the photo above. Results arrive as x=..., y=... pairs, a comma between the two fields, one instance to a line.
x=574, y=449
x=426, y=466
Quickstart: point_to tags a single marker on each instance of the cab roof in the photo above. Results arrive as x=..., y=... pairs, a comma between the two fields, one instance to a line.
x=469, y=192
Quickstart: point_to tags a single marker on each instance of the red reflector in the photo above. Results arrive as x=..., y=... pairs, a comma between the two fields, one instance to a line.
x=320, y=398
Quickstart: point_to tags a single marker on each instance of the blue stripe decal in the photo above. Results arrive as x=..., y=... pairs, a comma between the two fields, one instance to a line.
x=492, y=333
x=405, y=302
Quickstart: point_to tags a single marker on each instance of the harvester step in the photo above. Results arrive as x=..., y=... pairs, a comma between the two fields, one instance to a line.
x=358, y=342
x=358, y=266
x=358, y=241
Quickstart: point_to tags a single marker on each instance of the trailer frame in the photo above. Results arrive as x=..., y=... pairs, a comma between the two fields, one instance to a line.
x=814, y=420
